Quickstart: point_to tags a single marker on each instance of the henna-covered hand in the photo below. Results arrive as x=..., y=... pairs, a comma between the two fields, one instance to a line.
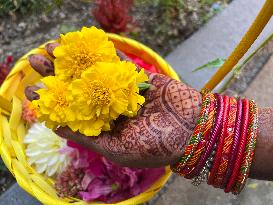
x=155, y=137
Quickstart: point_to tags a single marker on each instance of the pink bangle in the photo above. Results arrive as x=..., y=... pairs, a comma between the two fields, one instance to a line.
x=220, y=145
x=213, y=139
x=235, y=144
x=242, y=145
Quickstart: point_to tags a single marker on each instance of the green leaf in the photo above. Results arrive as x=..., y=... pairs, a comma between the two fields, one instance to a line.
x=252, y=185
x=143, y=86
x=216, y=63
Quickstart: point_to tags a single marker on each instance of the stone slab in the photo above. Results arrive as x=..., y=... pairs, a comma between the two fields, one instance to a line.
x=182, y=192
x=261, y=89
x=17, y=196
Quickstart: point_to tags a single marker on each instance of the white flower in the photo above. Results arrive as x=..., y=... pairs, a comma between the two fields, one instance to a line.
x=44, y=150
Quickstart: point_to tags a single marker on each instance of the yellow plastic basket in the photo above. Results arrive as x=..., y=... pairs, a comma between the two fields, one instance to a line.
x=13, y=128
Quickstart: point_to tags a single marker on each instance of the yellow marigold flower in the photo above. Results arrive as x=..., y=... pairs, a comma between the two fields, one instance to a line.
x=53, y=106
x=135, y=100
x=81, y=49
x=105, y=91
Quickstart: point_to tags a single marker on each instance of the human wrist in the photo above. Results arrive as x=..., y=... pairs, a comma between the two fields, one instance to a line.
x=262, y=167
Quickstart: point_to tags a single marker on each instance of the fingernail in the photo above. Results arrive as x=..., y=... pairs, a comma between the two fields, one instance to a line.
x=31, y=94
x=64, y=132
x=41, y=64
x=50, y=48
x=59, y=132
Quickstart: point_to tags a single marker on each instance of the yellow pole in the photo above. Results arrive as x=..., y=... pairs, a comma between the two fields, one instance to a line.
x=245, y=43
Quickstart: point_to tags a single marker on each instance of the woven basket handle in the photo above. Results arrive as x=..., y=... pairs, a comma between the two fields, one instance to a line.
x=248, y=39
x=5, y=105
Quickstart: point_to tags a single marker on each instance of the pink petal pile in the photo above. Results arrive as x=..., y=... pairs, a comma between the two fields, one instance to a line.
x=141, y=63
x=69, y=182
x=102, y=179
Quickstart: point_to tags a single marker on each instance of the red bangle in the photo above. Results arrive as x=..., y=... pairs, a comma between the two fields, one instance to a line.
x=242, y=145
x=196, y=136
x=220, y=145
x=201, y=146
x=213, y=139
x=229, y=135
x=235, y=144
x=249, y=150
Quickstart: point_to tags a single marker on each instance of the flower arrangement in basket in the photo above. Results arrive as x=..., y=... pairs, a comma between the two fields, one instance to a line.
x=97, y=80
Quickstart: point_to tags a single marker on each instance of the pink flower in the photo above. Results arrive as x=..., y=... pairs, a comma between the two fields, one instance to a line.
x=87, y=179
x=140, y=62
x=97, y=189
x=113, y=15
x=107, y=182
x=5, y=68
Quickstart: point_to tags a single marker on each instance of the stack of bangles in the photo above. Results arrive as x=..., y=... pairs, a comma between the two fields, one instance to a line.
x=221, y=148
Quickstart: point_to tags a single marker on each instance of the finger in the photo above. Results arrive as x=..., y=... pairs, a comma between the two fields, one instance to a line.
x=87, y=142
x=67, y=133
x=95, y=144
x=157, y=83
x=41, y=64
x=31, y=94
x=50, y=48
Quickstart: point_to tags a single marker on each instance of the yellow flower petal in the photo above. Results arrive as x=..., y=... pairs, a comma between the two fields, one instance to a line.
x=80, y=50
x=54, y=105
